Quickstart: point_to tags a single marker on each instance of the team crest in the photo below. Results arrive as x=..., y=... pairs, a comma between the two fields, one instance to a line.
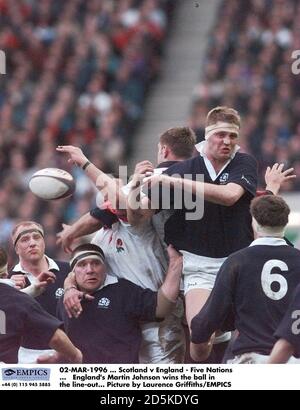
x=104, y=303
x=224, y=178
x=59, y=293
x=119, y=245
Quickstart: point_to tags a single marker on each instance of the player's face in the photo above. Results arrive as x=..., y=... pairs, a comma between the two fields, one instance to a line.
x=221, y=145
x=90, y=274
x=31, y=246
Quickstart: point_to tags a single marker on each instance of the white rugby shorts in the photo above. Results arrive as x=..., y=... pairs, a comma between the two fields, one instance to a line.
x=199, y=272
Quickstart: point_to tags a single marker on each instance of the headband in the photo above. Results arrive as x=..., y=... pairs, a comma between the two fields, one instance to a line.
x=28, y=231
x=84, y=255
x=221, y=126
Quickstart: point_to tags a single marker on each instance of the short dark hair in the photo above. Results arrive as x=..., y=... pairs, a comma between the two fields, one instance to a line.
x=180, y=140
x=84, y=251
x=270, y=210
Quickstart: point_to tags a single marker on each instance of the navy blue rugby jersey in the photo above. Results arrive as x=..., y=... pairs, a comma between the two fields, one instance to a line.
x=256, y=284
x=48, y=299
x=289, y=328
x=222, y=229
x=108, y=330
x=24, y=318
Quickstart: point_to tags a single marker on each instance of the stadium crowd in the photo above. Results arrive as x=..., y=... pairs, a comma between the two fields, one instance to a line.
x=249, y=66
x=77, y=73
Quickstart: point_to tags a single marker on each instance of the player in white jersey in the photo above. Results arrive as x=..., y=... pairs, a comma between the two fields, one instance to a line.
x=136, y=254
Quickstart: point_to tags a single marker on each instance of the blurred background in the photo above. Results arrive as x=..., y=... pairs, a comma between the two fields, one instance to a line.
x=110, y=75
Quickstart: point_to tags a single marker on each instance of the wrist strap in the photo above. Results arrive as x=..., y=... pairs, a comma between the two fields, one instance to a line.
x=86, y=165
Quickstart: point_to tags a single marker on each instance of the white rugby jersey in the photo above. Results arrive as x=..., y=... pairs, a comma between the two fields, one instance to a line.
x=133, y=254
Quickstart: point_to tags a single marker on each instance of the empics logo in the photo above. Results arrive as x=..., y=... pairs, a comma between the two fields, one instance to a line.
x=19, y=373
x=2, y=62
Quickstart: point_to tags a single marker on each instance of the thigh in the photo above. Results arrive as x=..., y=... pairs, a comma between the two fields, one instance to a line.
x=195, y=299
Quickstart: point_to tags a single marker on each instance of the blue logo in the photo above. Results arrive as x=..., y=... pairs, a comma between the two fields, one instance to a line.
x=20, y=373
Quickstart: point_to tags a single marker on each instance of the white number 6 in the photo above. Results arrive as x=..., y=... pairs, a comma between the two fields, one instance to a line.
x=267, y=278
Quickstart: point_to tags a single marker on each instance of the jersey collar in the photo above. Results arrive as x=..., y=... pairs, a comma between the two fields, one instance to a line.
x=269, y=241
x=200, y=147
x=109, y=280
x=52, y=266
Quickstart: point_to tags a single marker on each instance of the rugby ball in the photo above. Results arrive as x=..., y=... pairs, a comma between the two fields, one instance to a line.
x=52, y=183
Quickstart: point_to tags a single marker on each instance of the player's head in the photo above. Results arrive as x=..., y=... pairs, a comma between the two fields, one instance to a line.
x=3, y=264
x=270, y=215
x=176, y=144
x=28, y=240
x=87, y=262
x=222, y=132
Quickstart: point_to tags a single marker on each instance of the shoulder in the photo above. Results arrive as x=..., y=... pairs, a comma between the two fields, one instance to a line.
x=188, y=164
x=64, y=267
x=242, y=157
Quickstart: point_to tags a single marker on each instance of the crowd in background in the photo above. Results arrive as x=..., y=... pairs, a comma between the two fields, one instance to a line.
x=77, y=73
x=248, y=66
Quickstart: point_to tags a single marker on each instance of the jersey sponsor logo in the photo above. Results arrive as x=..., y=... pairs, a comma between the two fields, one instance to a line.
x=224, y=178
x=119, y=245
x=104, y=303
x=59, y=293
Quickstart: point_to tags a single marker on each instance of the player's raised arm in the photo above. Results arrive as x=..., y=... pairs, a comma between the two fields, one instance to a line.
x=108, y=185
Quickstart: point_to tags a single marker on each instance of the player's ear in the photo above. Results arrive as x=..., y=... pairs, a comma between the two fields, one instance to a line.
x=166, y=151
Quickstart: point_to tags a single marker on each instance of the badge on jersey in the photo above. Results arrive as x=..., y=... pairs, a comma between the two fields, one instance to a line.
x=59, y=293
x=119, y=245
x=103, y=303
x=224, y=178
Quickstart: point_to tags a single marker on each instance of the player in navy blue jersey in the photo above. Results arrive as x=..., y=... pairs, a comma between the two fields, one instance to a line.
x=23, y=316
x=230, y=182
x=254, y=286
x=29, y=244
x=109, y=328
x=288, y=333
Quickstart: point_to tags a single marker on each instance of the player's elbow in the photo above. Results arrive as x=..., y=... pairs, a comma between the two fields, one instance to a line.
x=230, y=198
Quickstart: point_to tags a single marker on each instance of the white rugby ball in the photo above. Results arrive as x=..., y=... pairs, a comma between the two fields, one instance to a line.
x=52, y=183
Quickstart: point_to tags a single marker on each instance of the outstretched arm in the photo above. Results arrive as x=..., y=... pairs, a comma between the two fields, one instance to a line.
x=281, y=353
x=64, y=347
x=110, y=186
x=169, y=290
x=85, y=225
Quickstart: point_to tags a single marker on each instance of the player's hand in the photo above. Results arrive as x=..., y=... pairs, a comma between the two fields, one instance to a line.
x=175, y=258
x=65, y=238
x=44, y=279
x=55, y=357
x=144, y=168
x=275, y=177
x=72, y=301
x=20, y=281
x=76, y=155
